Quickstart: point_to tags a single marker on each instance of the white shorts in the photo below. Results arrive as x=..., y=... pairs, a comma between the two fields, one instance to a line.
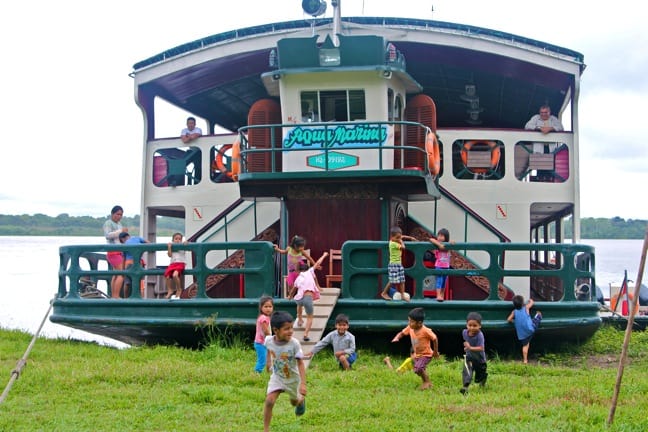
x=291, y=387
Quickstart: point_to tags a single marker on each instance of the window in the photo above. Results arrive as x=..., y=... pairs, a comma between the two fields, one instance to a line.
x=333, y=105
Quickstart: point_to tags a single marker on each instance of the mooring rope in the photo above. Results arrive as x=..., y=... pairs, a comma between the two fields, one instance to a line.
x=23, y=361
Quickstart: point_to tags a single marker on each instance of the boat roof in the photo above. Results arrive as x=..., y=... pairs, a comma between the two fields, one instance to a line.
x=513, y=75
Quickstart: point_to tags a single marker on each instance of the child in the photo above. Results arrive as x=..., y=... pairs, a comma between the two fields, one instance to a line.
x=525, y=327
x=174, y=273
x=442, y=261
x=285, y=357
x=395, y=269
x=266, y=305
x=295, y=254
x=342, y=341
x=422, y=337
x=126, y=238
x=475, y=354
x=307, y=291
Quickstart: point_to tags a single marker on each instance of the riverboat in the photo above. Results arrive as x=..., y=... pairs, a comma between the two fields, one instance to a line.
x=339, y=128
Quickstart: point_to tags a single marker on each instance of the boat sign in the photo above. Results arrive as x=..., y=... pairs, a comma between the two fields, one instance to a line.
x=336, y=160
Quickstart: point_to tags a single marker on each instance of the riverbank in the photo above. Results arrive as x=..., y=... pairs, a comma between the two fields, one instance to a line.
x=82, y=386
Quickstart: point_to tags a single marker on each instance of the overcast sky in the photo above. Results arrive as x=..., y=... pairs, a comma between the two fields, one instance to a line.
x=73, y=134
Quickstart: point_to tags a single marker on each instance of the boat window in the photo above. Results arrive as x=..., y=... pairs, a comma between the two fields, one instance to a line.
x=546, y=162
x=478, y=159
x=177, y=166
x=220, y=163
x=333, y=105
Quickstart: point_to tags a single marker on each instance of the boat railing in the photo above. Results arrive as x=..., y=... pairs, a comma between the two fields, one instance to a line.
x=81, y=263
x=329, y=138
x=364, y=267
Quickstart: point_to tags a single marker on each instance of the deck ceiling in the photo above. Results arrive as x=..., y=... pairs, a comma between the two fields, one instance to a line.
x=509, y=90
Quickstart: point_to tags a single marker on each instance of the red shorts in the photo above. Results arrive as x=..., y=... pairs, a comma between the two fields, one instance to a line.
x=177, y=266
x=116, y=259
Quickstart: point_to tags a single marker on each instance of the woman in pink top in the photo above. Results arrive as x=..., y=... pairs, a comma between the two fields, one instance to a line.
x=307, y=289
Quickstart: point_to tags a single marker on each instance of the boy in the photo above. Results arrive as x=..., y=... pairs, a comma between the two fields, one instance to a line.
x=525, y=327
x=395, y=268
x=285, y=359
x=343, y=343
x=422, y=337
x=475, y=354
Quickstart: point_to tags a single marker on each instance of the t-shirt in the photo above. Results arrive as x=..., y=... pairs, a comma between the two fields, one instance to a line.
x=111, y=231
x=477, y=340
x=523, y=324
x=283, y=357
x=195, y=130
x=394, y=252
x=306, y=282
x=132, y=240
x=178, y=256
x=442, y=258
x=345, y=342
x=421, y=340
x=260, y=336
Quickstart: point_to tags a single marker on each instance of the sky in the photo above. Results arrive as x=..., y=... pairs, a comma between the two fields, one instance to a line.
x=73, y=134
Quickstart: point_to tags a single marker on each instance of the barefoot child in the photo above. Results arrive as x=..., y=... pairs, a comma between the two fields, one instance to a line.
x=295, y=254
x=342, y=341
x=395, y=269
x=285, y=359
x=174, y=273
x=305, y=292
x=266, y=306
x=422, y=339
x=525, y=327
x=475, y=354
x=441, y=262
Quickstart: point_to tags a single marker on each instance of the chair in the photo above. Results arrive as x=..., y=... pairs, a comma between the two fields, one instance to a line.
x=334, y=255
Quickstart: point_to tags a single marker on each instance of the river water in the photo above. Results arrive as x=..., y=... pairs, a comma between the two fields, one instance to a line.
x=30, y=277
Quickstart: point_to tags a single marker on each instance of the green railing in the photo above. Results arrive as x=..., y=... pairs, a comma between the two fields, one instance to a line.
x=364, y=266
x=330, y=145
x=87, y=262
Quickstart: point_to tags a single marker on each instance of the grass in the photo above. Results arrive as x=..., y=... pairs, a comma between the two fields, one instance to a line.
x=78, y=386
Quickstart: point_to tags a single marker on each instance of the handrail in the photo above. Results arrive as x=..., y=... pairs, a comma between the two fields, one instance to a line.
x=328, y=145
x=215, y=220
x=258, y=273
x=363, y=266
x=499, y=234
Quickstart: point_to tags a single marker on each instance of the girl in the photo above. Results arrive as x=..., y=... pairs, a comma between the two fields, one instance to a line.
x=307, y=291
x=174, y=273
x=266, y=306
x=442, y=261
x=295, y=253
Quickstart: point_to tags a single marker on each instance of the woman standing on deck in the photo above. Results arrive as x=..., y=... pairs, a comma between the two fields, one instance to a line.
x=112, y=228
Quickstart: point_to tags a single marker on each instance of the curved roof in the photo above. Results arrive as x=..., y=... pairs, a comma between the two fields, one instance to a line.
x=510, y=86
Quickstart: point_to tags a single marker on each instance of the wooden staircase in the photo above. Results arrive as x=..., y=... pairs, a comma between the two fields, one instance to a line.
x=322, y=312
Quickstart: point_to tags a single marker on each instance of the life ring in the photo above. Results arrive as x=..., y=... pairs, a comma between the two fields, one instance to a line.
x=433, y=153
x=491, y=146
x=234, y=159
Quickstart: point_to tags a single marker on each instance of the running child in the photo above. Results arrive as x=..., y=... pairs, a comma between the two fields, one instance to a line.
x=342, y=341
x=422, y=339
x=266, y=306
x=475, y=352
x=285, y=360
x=525, y=326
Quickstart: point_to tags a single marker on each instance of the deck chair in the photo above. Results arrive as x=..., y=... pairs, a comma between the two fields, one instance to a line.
x=332, y=276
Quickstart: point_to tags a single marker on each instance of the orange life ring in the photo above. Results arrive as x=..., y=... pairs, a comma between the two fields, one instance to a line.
x=491, y=146
x=433, y=153
x=235, y=159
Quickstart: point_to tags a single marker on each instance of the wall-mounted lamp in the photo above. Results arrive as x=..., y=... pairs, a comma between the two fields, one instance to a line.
x=276, y=77
x=387, y=74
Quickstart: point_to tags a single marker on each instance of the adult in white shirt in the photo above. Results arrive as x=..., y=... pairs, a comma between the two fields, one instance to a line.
x=191, y=132
x=544, y=122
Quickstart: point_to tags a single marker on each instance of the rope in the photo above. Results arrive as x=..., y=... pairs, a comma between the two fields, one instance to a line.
x=23, y=361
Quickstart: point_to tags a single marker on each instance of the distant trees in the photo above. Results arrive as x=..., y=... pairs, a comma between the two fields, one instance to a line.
x=66, y=225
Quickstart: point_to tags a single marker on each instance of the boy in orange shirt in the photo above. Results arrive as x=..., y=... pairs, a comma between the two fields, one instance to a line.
x=423, y=338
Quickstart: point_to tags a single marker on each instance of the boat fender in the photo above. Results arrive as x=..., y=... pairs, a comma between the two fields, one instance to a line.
x=433, y=153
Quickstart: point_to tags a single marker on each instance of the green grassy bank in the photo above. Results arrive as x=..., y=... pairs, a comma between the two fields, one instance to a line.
x=79, y=386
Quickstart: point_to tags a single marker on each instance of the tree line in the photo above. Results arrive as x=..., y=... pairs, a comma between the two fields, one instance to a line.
x=66, y=225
